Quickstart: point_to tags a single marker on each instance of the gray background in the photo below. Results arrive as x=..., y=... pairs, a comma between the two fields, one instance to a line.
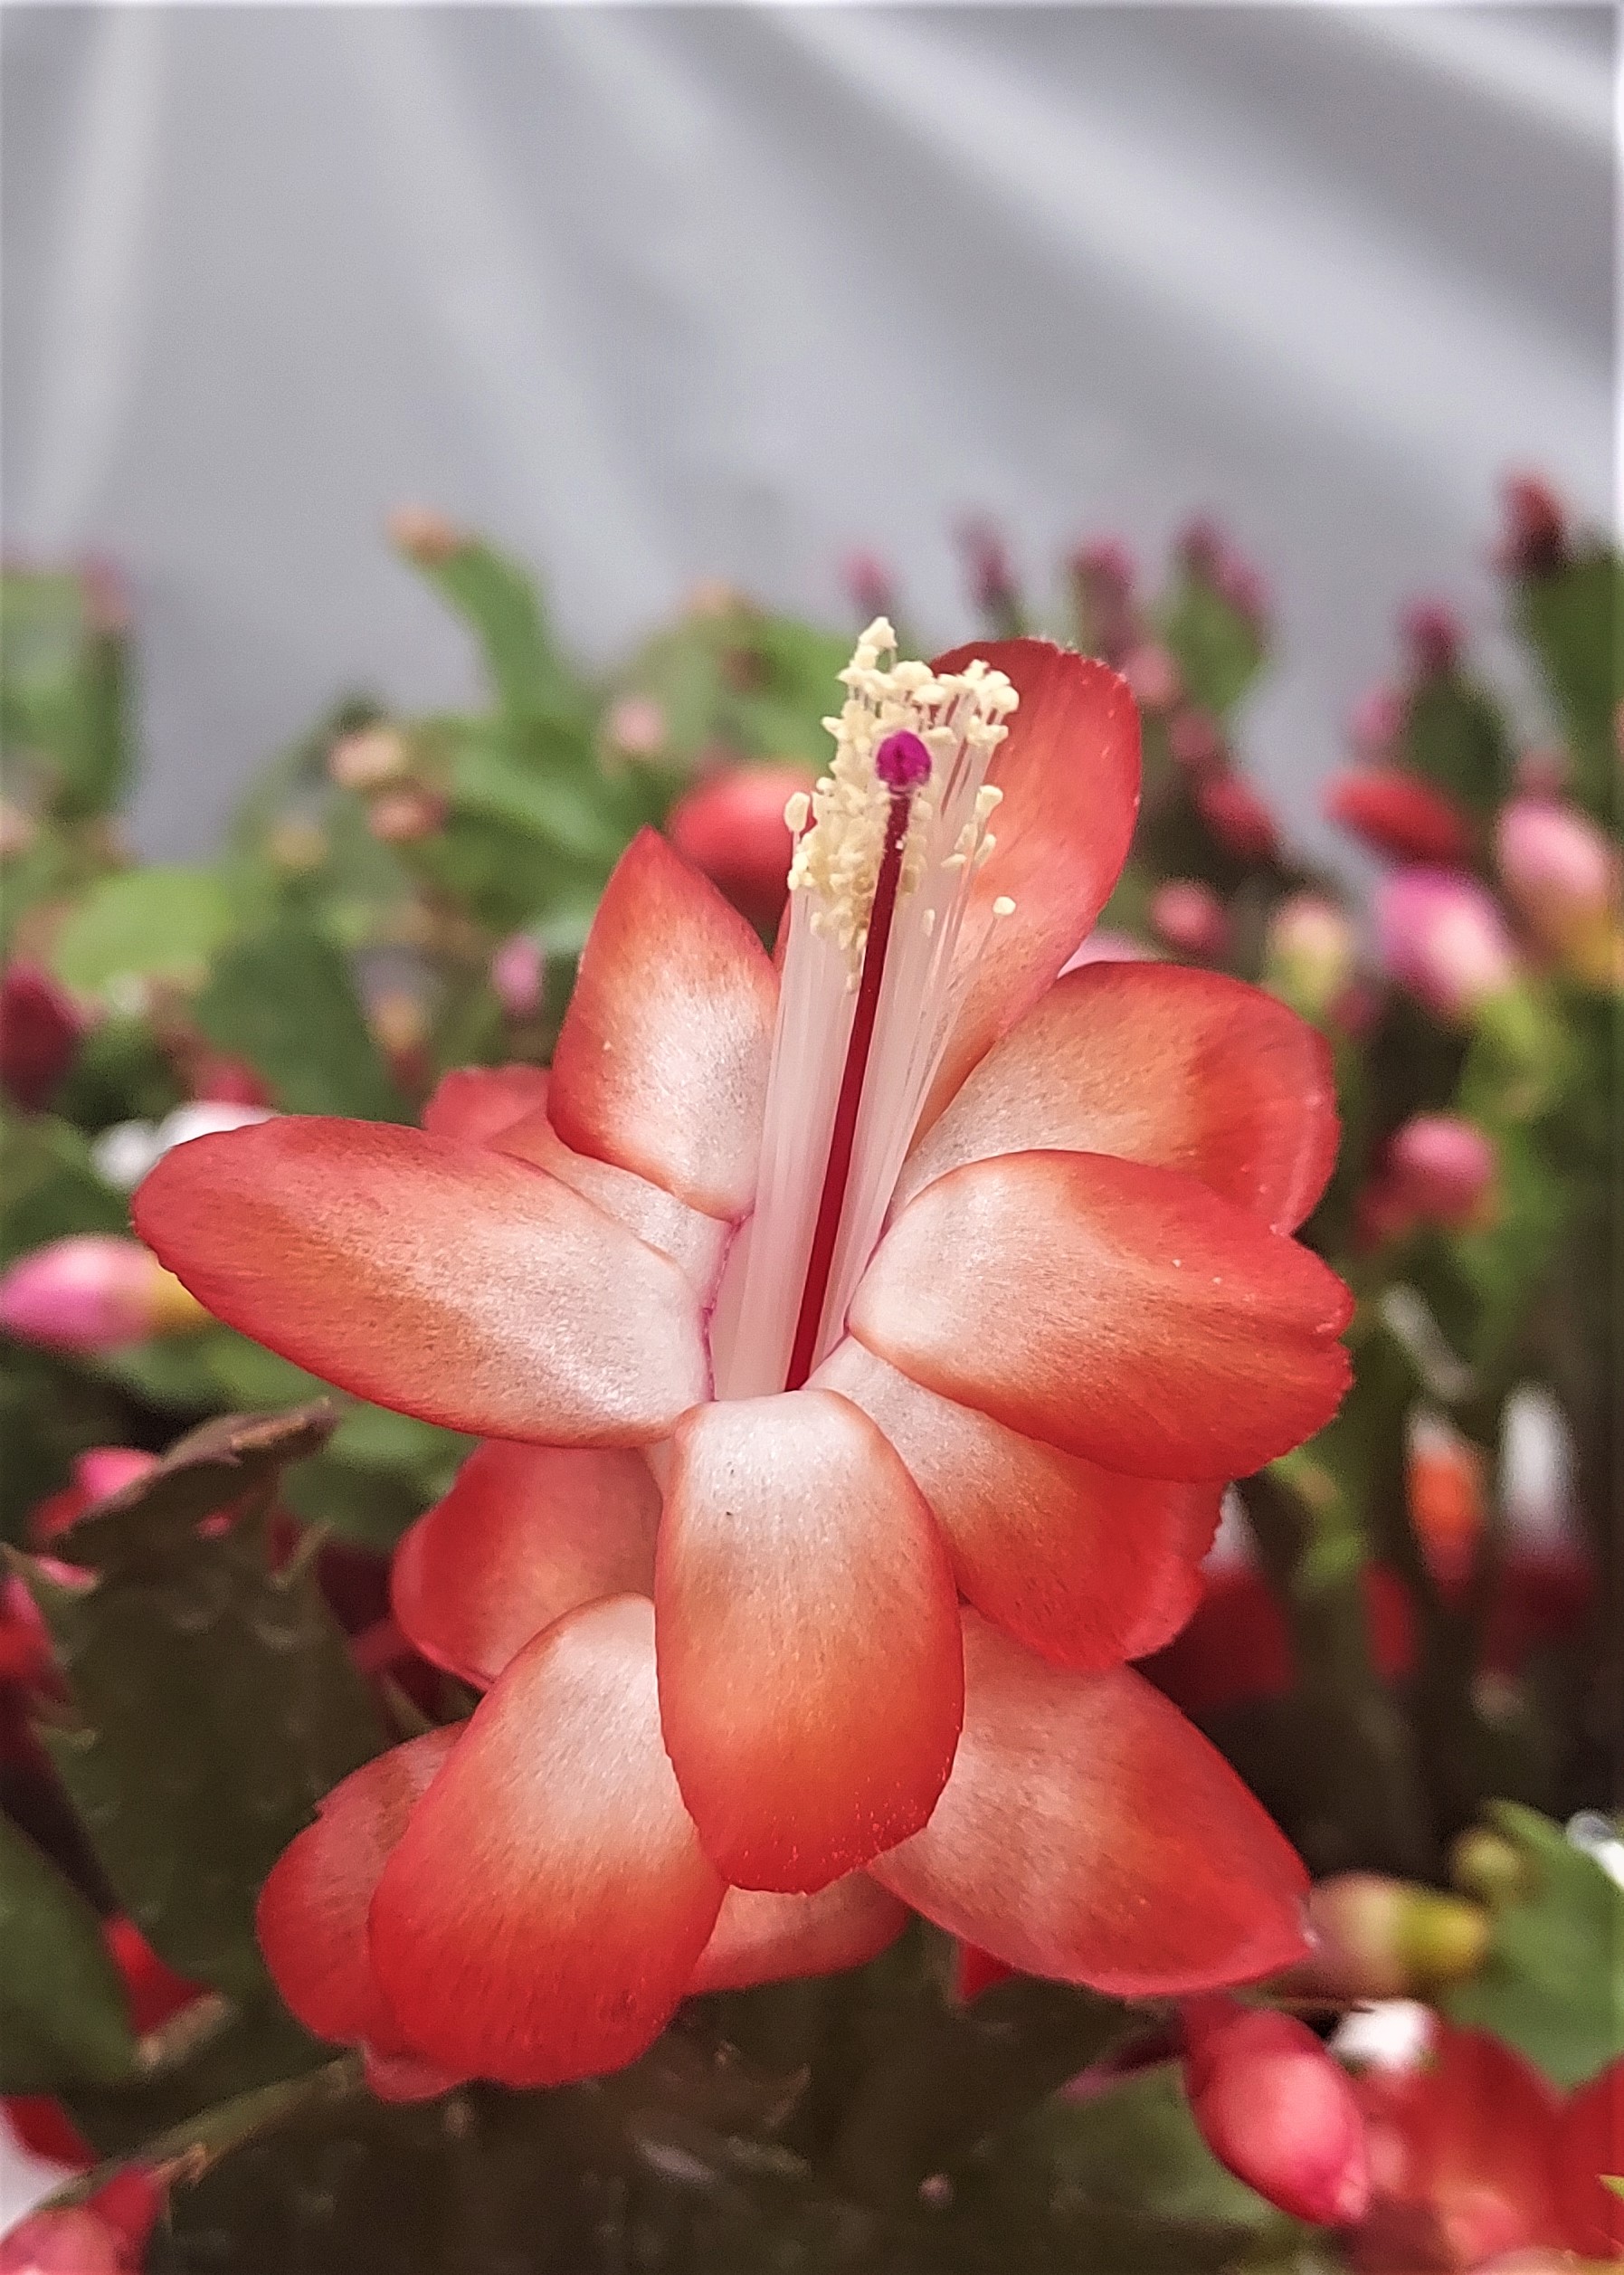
x=655, y=294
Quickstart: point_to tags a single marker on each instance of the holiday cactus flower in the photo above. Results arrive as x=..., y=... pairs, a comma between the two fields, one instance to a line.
x=862, y=1343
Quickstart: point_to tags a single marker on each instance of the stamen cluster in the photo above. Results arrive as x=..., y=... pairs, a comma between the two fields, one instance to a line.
x=840, y=829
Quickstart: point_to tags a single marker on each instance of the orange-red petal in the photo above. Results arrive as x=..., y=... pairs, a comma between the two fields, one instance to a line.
x=760, y=1938
x=811, y=1677
x=1069, y=773
x=526, y=1534
x=477, y=1102
x=1081, y=1565
x=1088, y=1833
x=1122, y=1312
x=695, y=1241
x=311, y=1917
x=546, y=1908
x=661, y=1064
x=431, y=1275
x=1157, y=1063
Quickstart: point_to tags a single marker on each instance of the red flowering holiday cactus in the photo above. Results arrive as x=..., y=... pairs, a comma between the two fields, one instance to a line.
x=863, y=1342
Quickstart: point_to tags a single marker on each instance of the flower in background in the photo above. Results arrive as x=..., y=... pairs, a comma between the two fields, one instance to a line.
x=1438, y=1169
x=1534, y=539
x=1016, y=1292
x=1239, y=816
x=636, y=727
x=731, y=827
x=1474, y=2157
x=93, y=1291
x=1562, y=875
x=40, y=1030
x=1434, y=637
x=518, y=971
x=1443, y=937
x=1189, y=916
x=1308, y=953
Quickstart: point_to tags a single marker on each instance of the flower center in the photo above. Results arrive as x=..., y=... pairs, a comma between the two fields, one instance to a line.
x=886, y=847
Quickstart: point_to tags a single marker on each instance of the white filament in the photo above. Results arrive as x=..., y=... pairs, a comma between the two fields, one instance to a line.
x=840, y=843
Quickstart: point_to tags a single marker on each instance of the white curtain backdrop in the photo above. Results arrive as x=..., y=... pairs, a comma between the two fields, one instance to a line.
x=658, y=293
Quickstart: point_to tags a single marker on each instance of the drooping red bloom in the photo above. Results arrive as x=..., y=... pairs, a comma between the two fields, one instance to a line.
x=1475, y=2157
x=1274, y=2106
x=863, y=1346
x=105, y=2236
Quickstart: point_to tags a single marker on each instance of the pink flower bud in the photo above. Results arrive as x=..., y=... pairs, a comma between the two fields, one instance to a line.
x=18, y=831
x=1103, y=575
x=1308, y=953
x=1442, y=937
x=425, y=536
x=1442, y=1167
x=1153, y=676
x=93, y=1291
x=732, y=828
x=40, y=1030
x=406, y=816
x=636, y=727
x=1381, y=1938
x=1190, y=917
x=1273, y=2107
x=1395, y=812
x=1543, y=772
x=1431, y=631
x=1237, y=816
x=992, y=585
x=518, y=972
x=1376, y=722
x=871, y=585
x=1562, y=874
x=370, y=759
x=1533, y=538
x=1195, y=740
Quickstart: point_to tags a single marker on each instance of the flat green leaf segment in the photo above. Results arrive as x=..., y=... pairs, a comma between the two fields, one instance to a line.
x=63, y=2016
x=283, y=999
x=1553, y=1984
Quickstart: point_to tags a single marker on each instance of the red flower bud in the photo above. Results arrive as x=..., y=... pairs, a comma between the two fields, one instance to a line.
x=992, y=585
x=1190, y=917
x=1443, y=937
x=93, y=1291
x=1238, y=818
x=1274, y=2108
x=1432, y=632
x=1534, y=539
x=1376, y=722
x=96, y=1476
x=1396, y=813
x=871, y=585
x=732, y=828
x=41, y=1029
x=106, y=2236
x=1152, y=675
